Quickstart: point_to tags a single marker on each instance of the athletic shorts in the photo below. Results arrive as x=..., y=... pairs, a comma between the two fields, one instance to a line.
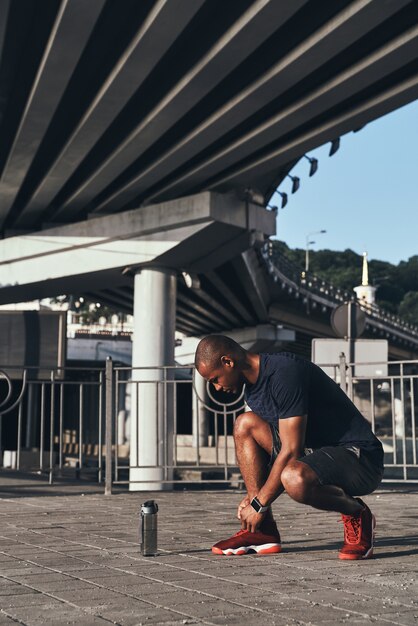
x=352, y=469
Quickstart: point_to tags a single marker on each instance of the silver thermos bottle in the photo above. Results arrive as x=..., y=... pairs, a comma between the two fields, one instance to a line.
x=149, y=516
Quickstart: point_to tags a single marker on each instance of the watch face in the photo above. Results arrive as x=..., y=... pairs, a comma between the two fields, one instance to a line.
x=256, y=505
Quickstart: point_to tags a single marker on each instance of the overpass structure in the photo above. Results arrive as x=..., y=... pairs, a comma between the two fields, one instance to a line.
x=143, y=140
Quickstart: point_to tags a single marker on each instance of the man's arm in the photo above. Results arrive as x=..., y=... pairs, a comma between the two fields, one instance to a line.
x=292, y=436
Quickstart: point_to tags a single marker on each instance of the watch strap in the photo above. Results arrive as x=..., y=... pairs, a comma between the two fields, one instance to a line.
x=257, y=506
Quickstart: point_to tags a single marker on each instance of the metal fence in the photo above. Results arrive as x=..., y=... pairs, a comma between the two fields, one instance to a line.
x=81, y=423
x=52, y=421
x=390, y=403
x=192, y=426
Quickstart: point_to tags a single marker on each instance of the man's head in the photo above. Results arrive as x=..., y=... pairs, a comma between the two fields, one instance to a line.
x=221, y=361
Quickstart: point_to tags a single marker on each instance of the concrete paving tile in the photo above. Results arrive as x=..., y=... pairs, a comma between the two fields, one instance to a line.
x=14, y=590
x=174, y=596
x=298, y=584
x=112, y=601
x=26, y=571
x=69, y=585
x=67, y=618
x=358, y=620
x=128, y=617
x=152, y=615
x=32, y=599
x=48, y=613
x=211, y=585
x=238, y=619
x=408, y=618
x=82, y=597
x=45, y=577
x=179, y=622
x=141, y=590
x=175, y=575
x=207, y=610
x=90, y=572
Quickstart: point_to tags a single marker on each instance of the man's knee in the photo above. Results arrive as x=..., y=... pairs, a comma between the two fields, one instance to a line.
x=299, y=479
x=245, y=424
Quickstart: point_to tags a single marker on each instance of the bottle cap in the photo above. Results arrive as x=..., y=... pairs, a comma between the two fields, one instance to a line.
x=149, y=507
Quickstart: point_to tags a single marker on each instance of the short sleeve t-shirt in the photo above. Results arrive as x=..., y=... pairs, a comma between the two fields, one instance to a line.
x=289, y=385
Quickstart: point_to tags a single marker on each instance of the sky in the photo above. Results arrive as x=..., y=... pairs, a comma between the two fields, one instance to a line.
x=365, y=196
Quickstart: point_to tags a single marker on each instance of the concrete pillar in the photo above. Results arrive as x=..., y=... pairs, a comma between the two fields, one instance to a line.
x=152, y=405
x=200, y=413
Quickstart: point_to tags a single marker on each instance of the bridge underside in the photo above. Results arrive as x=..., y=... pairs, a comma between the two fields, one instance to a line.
x=108, y=106
x=117, y=108
x=248, y=291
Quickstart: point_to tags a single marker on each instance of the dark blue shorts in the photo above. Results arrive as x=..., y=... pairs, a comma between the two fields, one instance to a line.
x=352, y=469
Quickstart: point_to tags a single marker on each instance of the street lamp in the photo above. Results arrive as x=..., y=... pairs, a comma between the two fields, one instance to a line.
x=308, y=243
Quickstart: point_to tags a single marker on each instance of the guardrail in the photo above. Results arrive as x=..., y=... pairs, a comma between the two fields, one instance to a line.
x=291, y=276
x=82, y=423
x=52, y=421
x=390, y=403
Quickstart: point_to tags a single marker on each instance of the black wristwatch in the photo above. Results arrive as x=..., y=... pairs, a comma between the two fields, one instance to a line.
x=257, y=506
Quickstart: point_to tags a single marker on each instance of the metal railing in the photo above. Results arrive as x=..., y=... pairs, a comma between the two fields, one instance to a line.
x=390, y=403
x=290, y=276
x=52, y=421
x=193, y=434
x=80, y=423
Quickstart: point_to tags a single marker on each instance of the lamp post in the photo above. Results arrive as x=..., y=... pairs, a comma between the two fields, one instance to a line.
x=308, y=243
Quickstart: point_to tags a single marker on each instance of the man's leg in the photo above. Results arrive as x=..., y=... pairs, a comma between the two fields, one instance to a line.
x=253, y=445
x=302, y=484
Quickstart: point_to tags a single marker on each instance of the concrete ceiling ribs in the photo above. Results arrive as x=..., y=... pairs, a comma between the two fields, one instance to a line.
x=107, y=106
x=153, y=133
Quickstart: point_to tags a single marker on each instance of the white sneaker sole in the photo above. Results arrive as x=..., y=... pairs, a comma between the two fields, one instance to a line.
x=265, y=548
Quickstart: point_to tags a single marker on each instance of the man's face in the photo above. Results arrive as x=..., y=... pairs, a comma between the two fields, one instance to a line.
x=226, y=377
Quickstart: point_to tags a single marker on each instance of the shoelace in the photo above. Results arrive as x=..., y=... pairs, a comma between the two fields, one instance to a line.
x=352, y=529
x=241, y=532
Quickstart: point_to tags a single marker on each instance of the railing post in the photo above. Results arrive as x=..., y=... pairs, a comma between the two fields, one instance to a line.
x=343, y=373
x=108, y=425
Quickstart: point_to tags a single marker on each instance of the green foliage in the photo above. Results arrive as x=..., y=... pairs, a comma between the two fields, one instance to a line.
x=88, y=311
x=397, y=285
x=408, y=308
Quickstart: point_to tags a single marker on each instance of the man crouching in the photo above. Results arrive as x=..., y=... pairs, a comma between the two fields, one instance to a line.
x=302, y=435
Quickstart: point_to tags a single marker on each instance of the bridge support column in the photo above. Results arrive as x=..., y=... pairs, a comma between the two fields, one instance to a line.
x=151, y=449
x=200, y=413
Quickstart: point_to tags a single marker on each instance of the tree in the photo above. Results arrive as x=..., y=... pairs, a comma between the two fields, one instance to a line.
x=408, y=309
x=397, y=285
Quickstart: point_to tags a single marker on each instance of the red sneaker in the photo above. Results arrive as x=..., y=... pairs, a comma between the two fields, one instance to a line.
x=358, y=534
x=264, y=541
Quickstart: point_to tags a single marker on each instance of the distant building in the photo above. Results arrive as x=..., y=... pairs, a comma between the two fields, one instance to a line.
x=365, y=293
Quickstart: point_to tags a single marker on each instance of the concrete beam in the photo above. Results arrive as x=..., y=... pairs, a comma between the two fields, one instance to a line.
x=249, y=31
x=253, y=338
x=89, y=252
x=297, y=321
x=73, y=26
x=387, y=59
x=254, y=279
x=165, y=22
x=340, y=32
x=355, y=117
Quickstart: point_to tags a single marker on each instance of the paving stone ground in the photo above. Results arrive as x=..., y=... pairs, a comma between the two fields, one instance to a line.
x=67, y=558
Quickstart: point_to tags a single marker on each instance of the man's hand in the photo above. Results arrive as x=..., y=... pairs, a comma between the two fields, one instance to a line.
x=250, y=520
x=244, y=502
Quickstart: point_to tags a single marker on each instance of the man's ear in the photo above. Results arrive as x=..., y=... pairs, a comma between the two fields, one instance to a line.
x=227, y=361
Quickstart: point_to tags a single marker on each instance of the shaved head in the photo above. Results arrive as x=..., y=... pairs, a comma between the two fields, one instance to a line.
x=212, y=348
